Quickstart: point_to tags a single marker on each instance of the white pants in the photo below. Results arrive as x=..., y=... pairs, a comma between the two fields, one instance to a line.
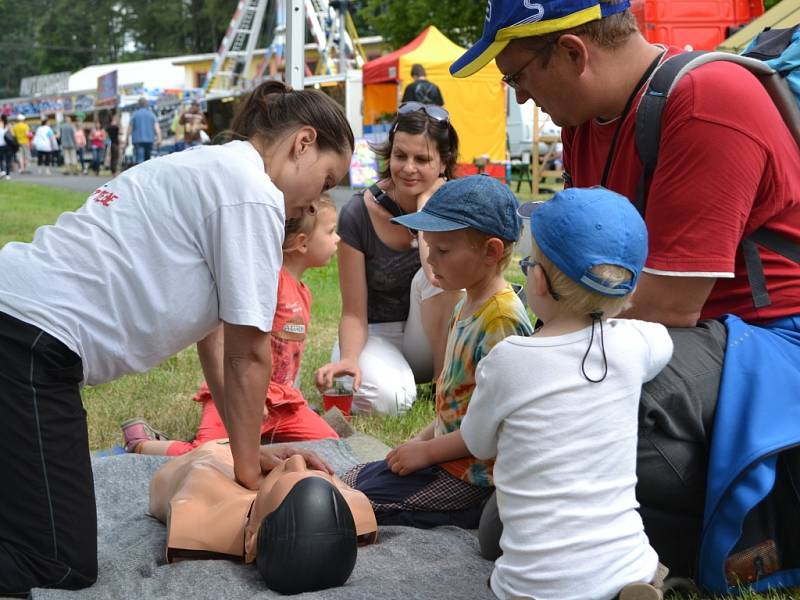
x=395, y=358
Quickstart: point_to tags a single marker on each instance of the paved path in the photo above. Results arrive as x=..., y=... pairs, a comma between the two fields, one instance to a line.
x=88, y=183
x=85, y=184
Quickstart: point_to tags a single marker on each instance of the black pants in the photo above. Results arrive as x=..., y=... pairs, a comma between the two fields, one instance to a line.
x=48, y=519
x=676, y=414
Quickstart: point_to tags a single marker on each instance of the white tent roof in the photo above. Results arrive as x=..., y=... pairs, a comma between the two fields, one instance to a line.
x=154, y=73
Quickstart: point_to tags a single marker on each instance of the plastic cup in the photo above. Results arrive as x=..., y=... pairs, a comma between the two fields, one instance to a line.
x=341, y=400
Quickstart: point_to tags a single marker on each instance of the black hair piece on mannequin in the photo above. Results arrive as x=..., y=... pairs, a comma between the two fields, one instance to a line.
x=597, y=317
x=309, y=542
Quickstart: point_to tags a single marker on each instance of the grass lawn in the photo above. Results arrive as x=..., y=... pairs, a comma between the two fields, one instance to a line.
x=163, y=395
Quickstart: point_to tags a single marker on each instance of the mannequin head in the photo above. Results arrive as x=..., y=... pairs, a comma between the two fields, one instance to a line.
x=309, y=542
x=308, y=525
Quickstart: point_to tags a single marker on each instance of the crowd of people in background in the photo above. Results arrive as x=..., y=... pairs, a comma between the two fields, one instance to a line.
x=75, y=145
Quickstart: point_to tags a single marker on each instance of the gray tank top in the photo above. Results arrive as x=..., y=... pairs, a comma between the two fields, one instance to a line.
x=389, y=272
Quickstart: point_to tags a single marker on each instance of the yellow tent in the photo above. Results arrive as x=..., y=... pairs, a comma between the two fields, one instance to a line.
x=781, y=16
x=476, y=104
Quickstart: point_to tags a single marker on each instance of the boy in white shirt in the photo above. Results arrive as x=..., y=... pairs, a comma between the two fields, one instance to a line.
x=558, y=410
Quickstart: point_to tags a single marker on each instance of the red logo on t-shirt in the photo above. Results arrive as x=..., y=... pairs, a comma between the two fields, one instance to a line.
x=104, y=197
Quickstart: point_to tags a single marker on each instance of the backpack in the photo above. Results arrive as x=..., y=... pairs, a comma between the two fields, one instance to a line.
x=425, y=92
x=751, y=523
x=10, y=139
x=774, y=58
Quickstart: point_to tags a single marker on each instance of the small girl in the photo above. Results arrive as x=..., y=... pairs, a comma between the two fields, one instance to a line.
x=310, y=242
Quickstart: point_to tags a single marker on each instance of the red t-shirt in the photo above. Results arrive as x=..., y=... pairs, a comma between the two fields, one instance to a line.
x=727, y=165
x=289, y=327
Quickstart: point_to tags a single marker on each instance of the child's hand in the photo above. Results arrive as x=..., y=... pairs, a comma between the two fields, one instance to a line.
x=326, y=373
x=423, y=198
x=409, y=457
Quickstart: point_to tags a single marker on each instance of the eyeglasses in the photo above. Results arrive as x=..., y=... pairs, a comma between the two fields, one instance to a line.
x=512, y=79
x=527, y=263
x=437, y=113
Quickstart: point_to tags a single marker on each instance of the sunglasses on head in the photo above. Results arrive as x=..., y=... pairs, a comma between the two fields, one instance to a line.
x=437, y=113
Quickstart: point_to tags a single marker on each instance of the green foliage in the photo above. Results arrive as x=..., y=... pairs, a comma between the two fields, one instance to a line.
x=400, y=22
x=48, y=36
x=770, y=3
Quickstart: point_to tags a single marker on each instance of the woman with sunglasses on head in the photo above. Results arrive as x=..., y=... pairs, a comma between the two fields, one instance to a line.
x=393, y=328
x=179, y=250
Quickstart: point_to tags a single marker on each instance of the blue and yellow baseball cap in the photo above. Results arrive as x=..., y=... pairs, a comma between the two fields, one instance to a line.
x=507, y=20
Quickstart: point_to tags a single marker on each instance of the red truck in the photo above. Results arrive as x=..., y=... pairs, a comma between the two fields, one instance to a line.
x=699, y=24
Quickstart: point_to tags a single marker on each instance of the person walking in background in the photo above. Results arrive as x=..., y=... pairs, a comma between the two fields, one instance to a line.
x=21, y=130
x=97, y=142
x=80, y=146
x=143, y=132
x=7, y=146
x=193, y=122
x=68, y=147
x=45, y=143
x=112, y=137
x=421, y=90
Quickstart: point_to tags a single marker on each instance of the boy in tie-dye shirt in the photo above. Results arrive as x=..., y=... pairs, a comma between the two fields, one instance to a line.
x=469, y=227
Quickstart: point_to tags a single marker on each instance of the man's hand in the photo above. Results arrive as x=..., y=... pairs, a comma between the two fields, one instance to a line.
x=409, y=457
x=271, y=457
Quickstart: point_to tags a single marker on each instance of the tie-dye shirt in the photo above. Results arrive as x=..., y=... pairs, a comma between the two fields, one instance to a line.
x=469, y=340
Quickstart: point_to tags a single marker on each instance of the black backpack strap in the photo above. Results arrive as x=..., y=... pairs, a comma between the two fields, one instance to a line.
x=648, y=120
x=752, y=260
x=385, y=201
x=648, y=140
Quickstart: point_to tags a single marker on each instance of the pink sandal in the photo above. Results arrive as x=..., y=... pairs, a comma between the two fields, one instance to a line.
x=135, y=431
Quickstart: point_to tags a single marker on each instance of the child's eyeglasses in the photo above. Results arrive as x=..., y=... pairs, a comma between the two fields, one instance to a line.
x=527, y=263
x=437, y=113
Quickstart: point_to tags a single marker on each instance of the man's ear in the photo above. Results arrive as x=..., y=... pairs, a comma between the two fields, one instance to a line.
x=574, y=48
x=494, y=250
x=304, y=139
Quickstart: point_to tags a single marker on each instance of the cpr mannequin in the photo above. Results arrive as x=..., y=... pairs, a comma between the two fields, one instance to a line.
x=209, y=515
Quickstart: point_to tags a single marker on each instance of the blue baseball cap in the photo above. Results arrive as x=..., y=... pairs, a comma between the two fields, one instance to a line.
x=580, y=228
x=507, y=20
x=477, y=202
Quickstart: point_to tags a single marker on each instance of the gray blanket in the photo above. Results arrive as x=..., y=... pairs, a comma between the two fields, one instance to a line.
x=405, y=563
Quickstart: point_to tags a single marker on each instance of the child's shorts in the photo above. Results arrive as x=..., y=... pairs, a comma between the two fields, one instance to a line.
x=427, y=498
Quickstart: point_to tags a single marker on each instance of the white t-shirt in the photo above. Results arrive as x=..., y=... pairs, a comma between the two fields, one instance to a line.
x=566, y=459
x=43, y=139
x=154, y=260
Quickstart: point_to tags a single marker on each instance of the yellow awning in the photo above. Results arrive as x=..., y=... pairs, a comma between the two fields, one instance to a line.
x=783, y=15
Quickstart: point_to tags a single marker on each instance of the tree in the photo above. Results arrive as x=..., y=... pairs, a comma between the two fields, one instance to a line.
x=400, y=22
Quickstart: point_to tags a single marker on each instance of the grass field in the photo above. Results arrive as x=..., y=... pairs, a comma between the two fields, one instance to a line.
x=163, y=395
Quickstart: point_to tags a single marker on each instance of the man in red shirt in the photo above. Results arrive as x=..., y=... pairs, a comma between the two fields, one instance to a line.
x=727, y=166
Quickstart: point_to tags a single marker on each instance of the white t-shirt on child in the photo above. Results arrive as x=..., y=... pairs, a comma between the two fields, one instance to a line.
x=566, y=459
x=154, y=260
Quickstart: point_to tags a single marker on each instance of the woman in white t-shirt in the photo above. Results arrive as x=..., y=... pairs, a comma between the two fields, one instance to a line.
x=178, y=250
x=45, y=144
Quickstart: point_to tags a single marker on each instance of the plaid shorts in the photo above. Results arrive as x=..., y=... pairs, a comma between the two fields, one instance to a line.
x=431, y=489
